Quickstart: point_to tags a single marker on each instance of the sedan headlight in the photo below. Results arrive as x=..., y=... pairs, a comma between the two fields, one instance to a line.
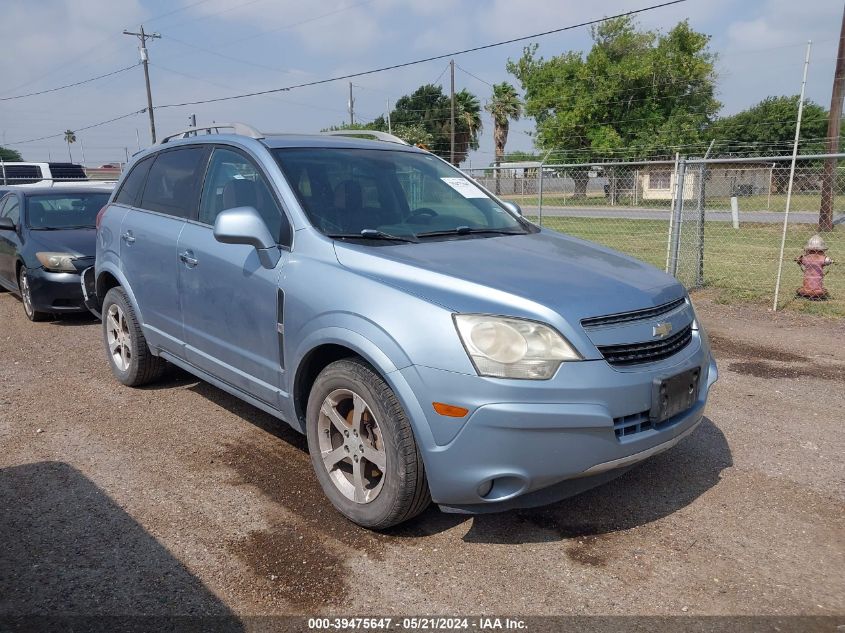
x=503, y=347
x=57, y=262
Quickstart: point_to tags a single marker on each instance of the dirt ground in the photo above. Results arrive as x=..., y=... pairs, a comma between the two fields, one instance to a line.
x=179, y=498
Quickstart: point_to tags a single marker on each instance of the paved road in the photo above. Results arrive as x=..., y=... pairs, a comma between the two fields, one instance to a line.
x=766, y=217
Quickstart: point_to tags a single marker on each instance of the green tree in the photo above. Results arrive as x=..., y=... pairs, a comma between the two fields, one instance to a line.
x=8, y=154
x=70, y=137
x=769, y=128
x=639, y=91
x=504, y=105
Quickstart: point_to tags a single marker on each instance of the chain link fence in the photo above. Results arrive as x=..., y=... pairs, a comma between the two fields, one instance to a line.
x=716, y=224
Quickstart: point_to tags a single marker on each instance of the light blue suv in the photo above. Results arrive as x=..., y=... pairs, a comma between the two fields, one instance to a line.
x=430, y=342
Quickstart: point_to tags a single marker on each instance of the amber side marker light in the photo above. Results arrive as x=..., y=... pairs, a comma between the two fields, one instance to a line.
x=449, y=410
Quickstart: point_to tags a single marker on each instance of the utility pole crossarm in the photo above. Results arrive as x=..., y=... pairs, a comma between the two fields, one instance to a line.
x=145, y=59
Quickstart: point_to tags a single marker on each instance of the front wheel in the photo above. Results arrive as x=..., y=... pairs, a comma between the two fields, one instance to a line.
x=130, y=358
x=363, y=448
x=26, y=298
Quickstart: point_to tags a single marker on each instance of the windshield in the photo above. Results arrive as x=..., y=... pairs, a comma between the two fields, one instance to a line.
x=391, y=194
x=64, y=210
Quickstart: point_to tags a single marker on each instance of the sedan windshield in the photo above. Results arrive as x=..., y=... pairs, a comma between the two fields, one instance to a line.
x=391, y=195
x=64, y=210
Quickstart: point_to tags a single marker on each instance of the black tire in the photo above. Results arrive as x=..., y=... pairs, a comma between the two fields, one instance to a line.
x=142, y=367
x=404, y=493
x=26, y=298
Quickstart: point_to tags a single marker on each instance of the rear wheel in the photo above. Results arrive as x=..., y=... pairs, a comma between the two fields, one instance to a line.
x=129, y=356
x=26, y=298
x=362, y=447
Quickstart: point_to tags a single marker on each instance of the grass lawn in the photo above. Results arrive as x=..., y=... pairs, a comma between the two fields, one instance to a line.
x=739, y=265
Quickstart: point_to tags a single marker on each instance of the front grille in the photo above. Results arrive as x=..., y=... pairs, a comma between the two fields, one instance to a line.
x=634, y=315
x=638, y=353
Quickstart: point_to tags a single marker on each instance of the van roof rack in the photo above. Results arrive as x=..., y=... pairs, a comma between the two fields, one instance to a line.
x=376, y=134
x=237, y=128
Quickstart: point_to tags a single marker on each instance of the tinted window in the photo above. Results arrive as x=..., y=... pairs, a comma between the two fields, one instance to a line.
x=234, y=181
x=130, y=192
x=64, y=211
x=21, y=174
x=345, y=191
x=11, y=209
x=173, y=183
x=67, y=172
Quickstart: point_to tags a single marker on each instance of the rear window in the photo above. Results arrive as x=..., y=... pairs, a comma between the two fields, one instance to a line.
x=63, y=210
x=65, y=172
x=173, y=183
x=131, y=189
x=21, y=174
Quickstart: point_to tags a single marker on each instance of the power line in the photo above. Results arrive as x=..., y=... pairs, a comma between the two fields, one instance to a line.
x=423, y=60
x=80, y=129
x=78, y=83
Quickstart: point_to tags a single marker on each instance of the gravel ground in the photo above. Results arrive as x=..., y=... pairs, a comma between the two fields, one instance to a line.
x=181, y=499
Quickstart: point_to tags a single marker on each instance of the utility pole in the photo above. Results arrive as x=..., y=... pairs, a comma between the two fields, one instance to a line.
x=389, y=126
x=452, y=115
x=143, y=37
x=351, y=106
x=833, y=126
x=192, y=121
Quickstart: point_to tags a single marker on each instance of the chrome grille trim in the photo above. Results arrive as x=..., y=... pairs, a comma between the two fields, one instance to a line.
x=634, y=315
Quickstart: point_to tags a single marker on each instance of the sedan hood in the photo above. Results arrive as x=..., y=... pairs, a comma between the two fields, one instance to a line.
x=527, y=274
x=79, y=242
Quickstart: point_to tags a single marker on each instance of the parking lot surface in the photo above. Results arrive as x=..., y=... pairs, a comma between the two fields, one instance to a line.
x=179, y=498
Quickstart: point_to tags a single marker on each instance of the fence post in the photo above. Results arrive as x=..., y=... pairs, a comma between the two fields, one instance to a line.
x=540, y=194
x=699, y=273
x=676, y=219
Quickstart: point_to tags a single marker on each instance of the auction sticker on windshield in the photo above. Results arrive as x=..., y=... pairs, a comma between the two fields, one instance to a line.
x=464, y=187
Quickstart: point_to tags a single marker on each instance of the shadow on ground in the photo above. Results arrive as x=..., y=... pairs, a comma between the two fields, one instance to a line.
x=278, y=464
x=69, y=554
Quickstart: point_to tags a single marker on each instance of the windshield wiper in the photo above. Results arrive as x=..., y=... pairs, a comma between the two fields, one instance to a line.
x=466, y=230
x=373, y=234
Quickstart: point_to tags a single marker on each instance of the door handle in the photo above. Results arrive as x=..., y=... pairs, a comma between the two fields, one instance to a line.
x=188, y=258
x=128, y=237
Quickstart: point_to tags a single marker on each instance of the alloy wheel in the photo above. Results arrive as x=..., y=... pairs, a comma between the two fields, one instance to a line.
x=352, y=445
x=26, y=293
x=118, y=337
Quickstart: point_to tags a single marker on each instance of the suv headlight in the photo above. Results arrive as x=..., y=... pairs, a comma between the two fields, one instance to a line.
x=57, y=262
x=503, y=347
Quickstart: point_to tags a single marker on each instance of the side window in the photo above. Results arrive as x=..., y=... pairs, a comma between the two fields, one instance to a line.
x=130, y=191
x=234, y=181
x=174, y=181
x=11, y=208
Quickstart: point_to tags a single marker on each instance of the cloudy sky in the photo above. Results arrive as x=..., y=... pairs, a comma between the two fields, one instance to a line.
x=212, y=48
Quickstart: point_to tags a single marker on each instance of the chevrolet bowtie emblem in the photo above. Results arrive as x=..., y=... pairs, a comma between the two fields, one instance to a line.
x=662, y=329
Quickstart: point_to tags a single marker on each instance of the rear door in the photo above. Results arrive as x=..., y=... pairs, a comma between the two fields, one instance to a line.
x=149, y=237
x=231, y=304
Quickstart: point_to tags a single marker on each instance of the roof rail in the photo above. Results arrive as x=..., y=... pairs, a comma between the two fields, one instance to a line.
x=237, y=128
x=381, y=136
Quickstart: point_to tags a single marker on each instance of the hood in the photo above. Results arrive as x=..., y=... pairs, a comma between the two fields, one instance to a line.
x=79, y=242
x=527, y=274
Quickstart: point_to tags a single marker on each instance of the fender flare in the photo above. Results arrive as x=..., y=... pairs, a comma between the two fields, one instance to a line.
x=115, y=272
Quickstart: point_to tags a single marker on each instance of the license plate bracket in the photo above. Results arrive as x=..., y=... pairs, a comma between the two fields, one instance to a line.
x=673, y=395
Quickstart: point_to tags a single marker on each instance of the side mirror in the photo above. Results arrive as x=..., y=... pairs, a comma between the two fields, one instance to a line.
x=513, y=207
x=243, y=225
x=7, y=224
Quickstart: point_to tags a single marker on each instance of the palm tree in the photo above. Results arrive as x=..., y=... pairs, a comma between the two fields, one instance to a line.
x=504, y=105
x=467, y=124
x=70, y=137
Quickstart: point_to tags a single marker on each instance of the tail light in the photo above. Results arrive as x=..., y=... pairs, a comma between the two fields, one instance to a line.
x=100, y=215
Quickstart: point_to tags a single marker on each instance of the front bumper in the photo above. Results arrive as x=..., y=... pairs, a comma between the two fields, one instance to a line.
x=535, y=442
x=55, y=292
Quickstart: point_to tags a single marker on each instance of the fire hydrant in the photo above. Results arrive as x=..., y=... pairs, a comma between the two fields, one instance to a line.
x=812, y=262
